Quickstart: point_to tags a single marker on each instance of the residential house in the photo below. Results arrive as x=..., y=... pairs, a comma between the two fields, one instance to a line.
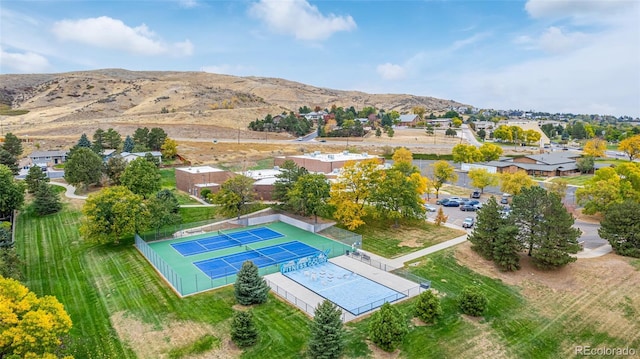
x=408, y=120
x=48, y=158
x=130, y=156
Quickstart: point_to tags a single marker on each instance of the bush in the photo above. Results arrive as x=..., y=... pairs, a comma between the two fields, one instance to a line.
x=326, y=341
x=243, y=331
x=472, y=302
x=428, y=307
x=387, y=328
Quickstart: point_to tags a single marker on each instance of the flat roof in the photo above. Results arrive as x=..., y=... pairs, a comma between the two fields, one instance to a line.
x=336, y=157
x=261, y=174
x=199, y=169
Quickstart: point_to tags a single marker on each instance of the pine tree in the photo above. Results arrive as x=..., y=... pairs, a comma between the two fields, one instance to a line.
x=428, y=307
x=488, y=221
x=46, y=200
x=35, y=178
x=327, y=334
x=387, y=328
x=84, y=141
x=128, y=144
x=506, y=248
x=558, y=239
x=250, y=288
x=243, y=330
x=621, y=227
x=9, y=160
x=12, y=144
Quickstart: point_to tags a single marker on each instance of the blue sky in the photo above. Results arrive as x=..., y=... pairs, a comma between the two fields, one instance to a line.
x=543, y=55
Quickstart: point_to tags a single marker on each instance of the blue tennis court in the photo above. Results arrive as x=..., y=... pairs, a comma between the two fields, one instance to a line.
x=222, y=241
x=263, y=257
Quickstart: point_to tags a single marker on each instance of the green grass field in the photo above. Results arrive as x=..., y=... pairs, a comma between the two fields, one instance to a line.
x=579, y=180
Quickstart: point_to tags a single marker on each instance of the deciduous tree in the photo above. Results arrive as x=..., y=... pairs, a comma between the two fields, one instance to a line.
x=388, y=327
x=621, y=227
x=169, y=148
x=11, y=193
x=514, y=183
x=163, y=210
x=595, y=148
x=481, y=178
x=443, y=172
x=31, y=326
x=84, y=167
x=141, y=177
x=466, y=153
x=352, y=190
x=490, y=152
x=9, y=160
x=114, y=168
x=113, y=213
x=585, y=164
x=10, y=263
x=327, y=334
x=558, y=186
x=441, y=218
x=398, y=196
x=630, y=146
x=234, y=195
x=309, y=194
x=250, y=288
x=531, y=136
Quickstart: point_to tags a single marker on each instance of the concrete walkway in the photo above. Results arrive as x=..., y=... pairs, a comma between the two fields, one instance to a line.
x=70, y=192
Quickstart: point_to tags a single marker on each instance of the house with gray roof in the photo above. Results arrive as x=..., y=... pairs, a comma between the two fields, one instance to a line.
x=541, y=165
x=48, y=158
x=408, y=120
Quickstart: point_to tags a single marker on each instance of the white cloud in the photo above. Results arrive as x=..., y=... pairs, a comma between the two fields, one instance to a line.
x=27, y=62
x=106, y=32
x=459, y=44
x=576, y=8
x=555, y=40
x=226, y=69
x=188, y=3
x=391, y=71
x=300, y=19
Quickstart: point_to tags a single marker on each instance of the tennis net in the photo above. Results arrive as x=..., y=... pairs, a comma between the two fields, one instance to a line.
x=229, y=237
x=249, y=248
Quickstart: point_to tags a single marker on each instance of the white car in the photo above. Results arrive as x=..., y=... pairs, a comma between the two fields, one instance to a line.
x=429, y=208
x=468, y=222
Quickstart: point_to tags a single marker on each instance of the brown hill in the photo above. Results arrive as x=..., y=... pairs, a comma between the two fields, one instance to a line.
x=186, y=104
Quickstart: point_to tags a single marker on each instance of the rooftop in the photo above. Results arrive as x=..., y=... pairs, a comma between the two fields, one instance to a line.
x=199, y=169
x=336, y=157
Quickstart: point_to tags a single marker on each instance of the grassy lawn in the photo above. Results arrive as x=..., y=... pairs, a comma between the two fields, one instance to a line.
x=168, y=181
x=613, y=161
x=263, y=164
x=579, y=180
x=110, y=291
x=381, y=237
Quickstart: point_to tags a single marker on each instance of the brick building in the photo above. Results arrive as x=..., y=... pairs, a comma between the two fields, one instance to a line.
x=194, y=179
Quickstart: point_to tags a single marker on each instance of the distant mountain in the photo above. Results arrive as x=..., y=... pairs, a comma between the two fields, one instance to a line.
x=67, y=103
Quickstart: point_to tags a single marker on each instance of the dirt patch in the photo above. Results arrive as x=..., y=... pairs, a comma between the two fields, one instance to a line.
x=589, y=218
x=597, y=292
x=148, y=341
x=381, y=354
x=485, y=345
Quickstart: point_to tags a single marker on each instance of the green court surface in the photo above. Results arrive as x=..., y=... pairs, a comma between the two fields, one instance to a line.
x=187, y=279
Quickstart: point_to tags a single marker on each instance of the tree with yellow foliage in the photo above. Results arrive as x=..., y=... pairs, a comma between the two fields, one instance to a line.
x=32, y=327
x=481, y=178
x=490, y=152
x=442, y=172
x=169, y=148
x=631, y=146
x=513, y=183
x=595, y=148
x=352, y=191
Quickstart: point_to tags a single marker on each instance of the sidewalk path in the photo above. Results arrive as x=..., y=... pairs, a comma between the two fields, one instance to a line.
x=71, y=190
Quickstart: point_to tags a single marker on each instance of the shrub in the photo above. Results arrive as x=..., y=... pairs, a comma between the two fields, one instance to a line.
x=472, y=302
x=243, y=330
x=428, y=307
x=387, y=328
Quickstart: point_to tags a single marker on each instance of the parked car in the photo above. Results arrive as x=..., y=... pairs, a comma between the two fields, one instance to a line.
x=442, y=201
x=475, y=194
x=429, y=208
x=468, y=222
x=468, y=208
x=478, y=206
x=451, y=203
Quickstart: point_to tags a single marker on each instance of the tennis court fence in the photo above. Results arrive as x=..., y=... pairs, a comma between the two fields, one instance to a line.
x=192, y=284
x=342, y=235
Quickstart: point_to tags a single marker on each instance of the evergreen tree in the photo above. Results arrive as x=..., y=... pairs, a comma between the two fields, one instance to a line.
x=128, y=144
x=428, y=307
x=243, y=330
x=99, y=139
x=558, y=237
x=327, y=334
x=84, y=141
x=250, y=288
x=46, y=200
x=488, y=221
x=506, y=248
x=621, y=227
x=156, y=138
x=34, y=178
x=9, y=160
x=527, y=210
x=286, y=179
x=387, y=328
x=141, y=138
x=112, y=139
x=12, y=144
x=472, y=302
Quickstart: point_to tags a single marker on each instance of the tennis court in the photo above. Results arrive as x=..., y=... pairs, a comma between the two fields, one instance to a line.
x=266, y=256
x=223, y=240
x=203, y=261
